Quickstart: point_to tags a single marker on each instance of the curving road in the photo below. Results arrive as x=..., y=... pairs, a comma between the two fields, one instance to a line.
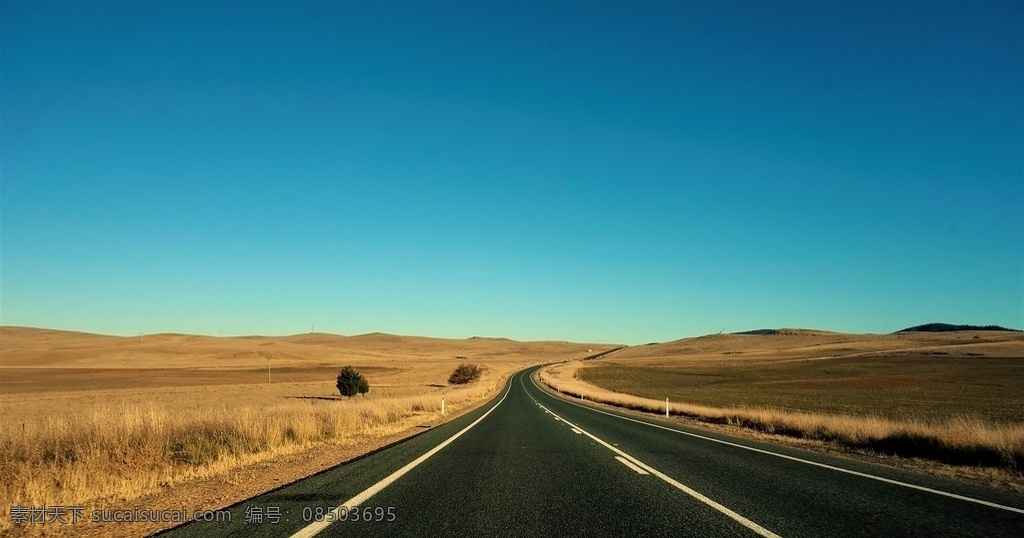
x=531, y=464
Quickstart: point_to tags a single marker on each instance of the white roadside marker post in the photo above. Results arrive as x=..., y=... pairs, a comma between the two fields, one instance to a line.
x=666, y=407
x=442, y=405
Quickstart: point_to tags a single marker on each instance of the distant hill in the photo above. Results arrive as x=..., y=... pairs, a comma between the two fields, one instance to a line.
x=926, y=328
x=947, y=327
x=785, y=332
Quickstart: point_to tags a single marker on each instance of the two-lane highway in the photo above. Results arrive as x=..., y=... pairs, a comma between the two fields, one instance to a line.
x=532, y=464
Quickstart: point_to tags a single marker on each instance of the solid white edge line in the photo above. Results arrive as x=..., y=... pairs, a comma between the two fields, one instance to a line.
x=317, y=526
x=629, y=464
x=794, y=458
x=691, y=492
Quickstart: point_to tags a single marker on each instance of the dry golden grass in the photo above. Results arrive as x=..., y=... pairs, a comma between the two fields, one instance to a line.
x=921, y=377
x=946, y=434
x=96, y=420
x=124, y=452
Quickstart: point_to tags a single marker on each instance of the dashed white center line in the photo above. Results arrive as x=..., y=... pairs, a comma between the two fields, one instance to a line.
x=574, y=430
x=636, y=464
x=630, y=464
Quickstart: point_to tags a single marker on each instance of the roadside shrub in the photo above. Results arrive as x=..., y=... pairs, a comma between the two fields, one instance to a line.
x=465, y=373
x=351, y=382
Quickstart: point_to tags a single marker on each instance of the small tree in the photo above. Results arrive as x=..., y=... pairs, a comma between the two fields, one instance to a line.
x=351, y=382
x=465, y=373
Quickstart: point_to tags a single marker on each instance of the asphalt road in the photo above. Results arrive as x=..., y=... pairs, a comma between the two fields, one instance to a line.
x=530, y=464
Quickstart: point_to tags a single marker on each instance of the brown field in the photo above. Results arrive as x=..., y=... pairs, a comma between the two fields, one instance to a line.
x=952, y=397
x=926, y=377
x=100, y=420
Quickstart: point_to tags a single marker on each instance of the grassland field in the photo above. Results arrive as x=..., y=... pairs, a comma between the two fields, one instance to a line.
x=923, y=377
x=104, y=421
x=955, y=398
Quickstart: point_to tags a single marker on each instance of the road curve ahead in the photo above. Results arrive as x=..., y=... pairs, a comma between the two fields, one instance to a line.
x=531, y=464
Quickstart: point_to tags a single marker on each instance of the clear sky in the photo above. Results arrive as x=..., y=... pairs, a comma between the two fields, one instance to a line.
x=589, y=171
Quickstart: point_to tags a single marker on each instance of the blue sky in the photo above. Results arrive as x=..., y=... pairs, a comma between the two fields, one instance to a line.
x=616, y=172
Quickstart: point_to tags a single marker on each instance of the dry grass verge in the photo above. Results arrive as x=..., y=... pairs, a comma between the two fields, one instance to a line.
x=956, y=441
x=121, y=453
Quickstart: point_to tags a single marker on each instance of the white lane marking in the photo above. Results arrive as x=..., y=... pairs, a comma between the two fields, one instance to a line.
x=794, y=458
x=574, y=430
x=629, y=464
x=314, y=528
x=691, y=492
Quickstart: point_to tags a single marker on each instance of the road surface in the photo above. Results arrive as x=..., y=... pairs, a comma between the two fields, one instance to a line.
x=530, y=464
